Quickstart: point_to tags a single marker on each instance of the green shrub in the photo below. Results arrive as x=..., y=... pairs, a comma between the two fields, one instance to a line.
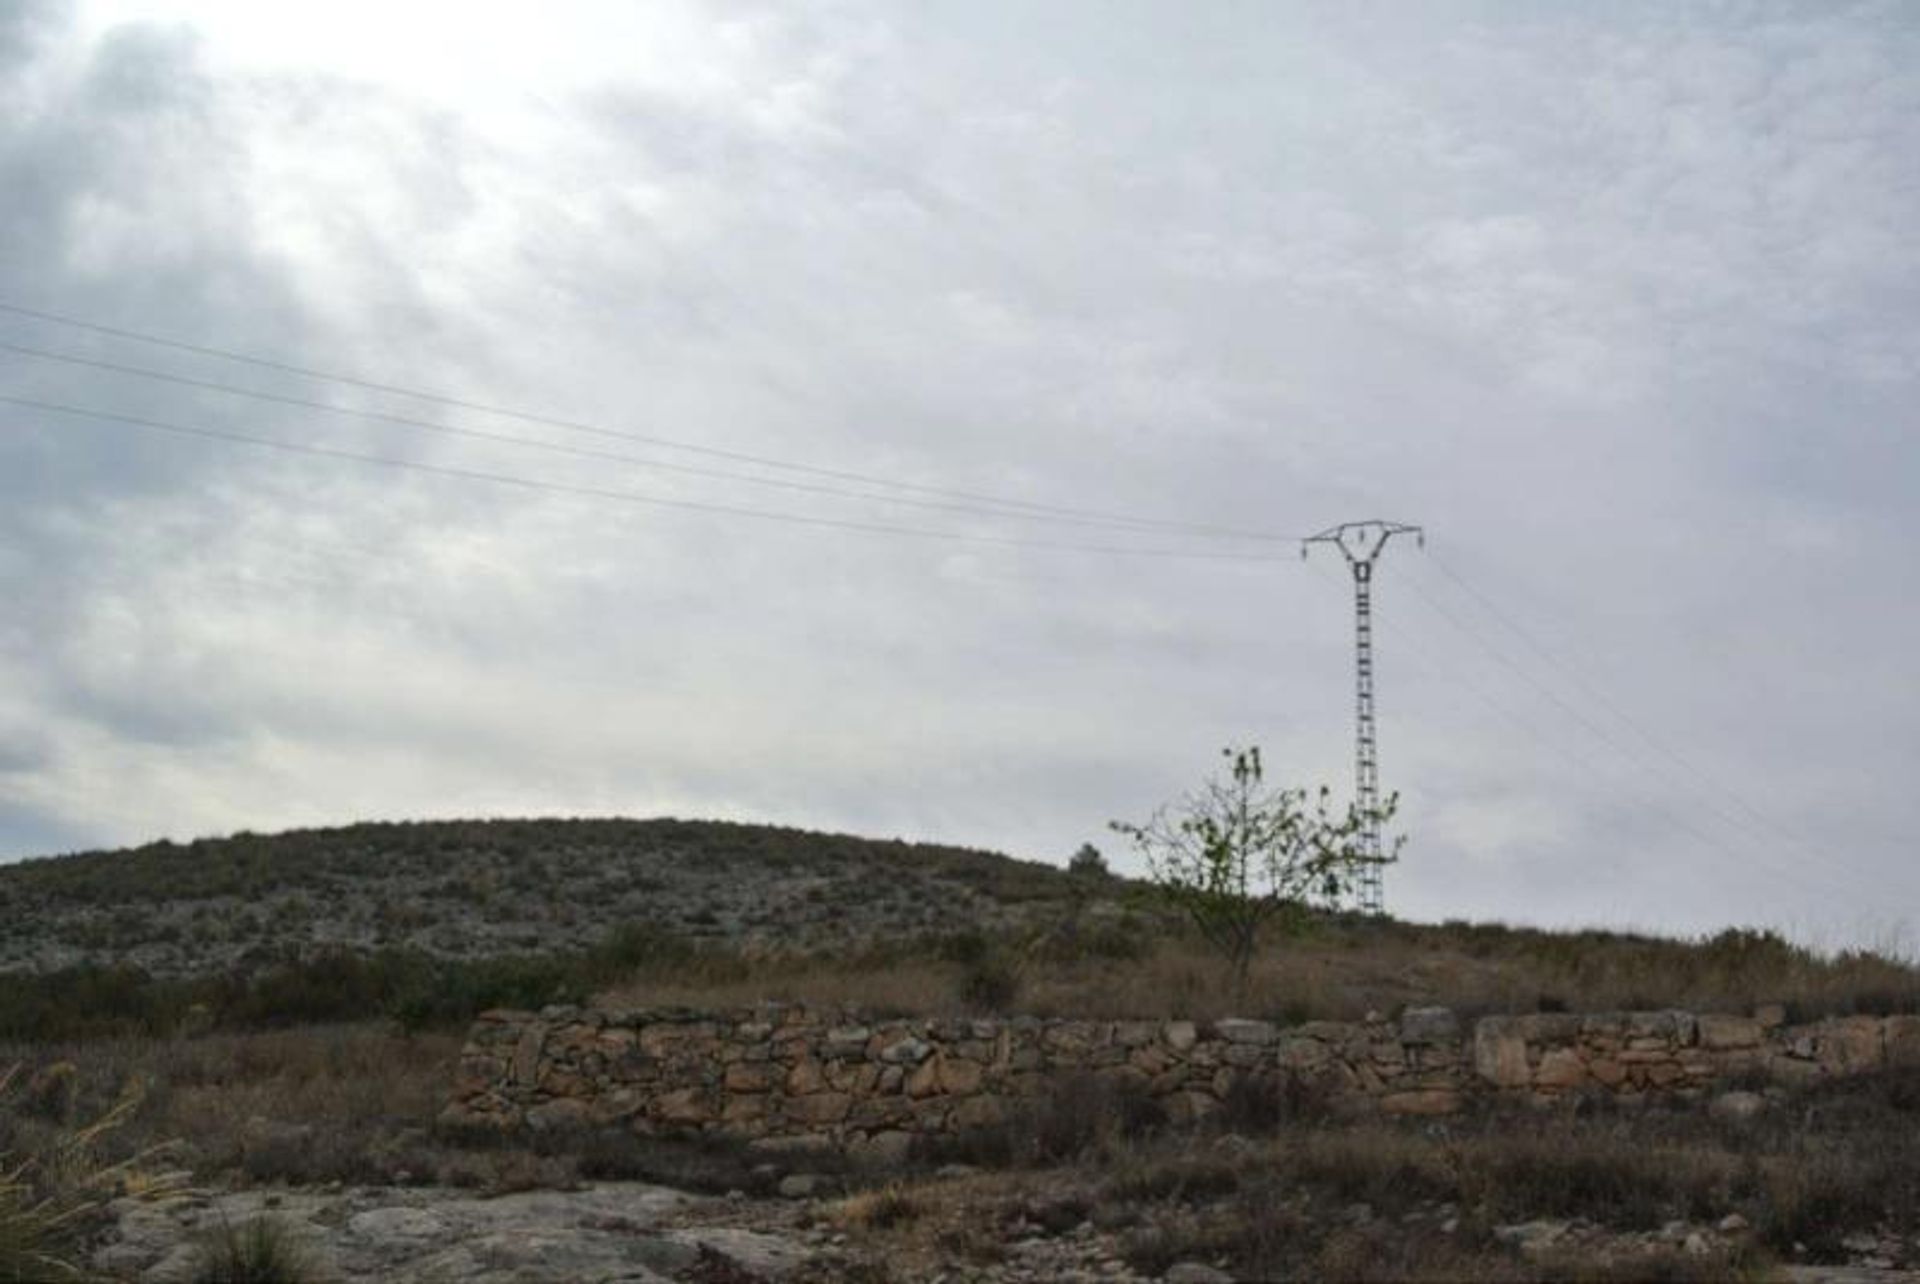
x=990, y=985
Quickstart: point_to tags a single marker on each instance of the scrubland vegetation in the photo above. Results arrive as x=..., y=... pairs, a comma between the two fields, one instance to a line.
x=1272, y=1188
x=330, y=1063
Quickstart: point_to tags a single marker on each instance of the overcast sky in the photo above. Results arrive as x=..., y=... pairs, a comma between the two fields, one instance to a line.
x=1621, y=302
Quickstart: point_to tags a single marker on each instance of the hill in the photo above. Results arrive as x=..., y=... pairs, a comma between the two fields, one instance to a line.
x=480, y=889
x=429, y=922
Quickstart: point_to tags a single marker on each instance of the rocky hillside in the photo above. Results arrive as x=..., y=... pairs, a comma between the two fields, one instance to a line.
x=471, y=889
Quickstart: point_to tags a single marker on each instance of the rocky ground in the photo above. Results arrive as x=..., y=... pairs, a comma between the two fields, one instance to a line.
x=634, y=1233
x=629, y=1232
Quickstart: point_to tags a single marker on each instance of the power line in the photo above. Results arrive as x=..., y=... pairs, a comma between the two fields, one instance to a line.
x=1590, y=765
x=623, y=496
x=578, y=452
x=570, y=425
x=1746, y=860
x=1765, y=824
x=1784, y=843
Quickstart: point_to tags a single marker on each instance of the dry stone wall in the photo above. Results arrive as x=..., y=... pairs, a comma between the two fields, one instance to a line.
x=792, y=1072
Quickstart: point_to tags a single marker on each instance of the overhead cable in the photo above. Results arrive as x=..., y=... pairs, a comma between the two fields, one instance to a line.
x=578, y=452
x=663, y=443
x=625, y=496
x=1759, y=818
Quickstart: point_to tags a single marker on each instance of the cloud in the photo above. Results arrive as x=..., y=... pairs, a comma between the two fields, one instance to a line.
x=1620, y=304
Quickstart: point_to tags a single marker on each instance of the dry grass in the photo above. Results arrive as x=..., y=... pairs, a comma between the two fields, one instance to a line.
x=1321, y=1199
x=882, y=1208
x=56, y=1178
x=259, y=1251
x=354, y=1104
x=1342, y=971
x=358, y=1103
x=346, y=1103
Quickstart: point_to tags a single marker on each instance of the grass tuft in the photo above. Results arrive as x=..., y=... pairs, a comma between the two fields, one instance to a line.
x=258, y=1251
x=55, y=1184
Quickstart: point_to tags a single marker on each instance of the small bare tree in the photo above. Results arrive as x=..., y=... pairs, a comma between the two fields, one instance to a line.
x=1237, y=856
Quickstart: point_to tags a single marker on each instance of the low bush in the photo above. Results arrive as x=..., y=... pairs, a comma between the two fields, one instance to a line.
x=259, y=1251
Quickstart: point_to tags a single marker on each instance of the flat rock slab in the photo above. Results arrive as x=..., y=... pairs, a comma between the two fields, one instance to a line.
x=606, y=1234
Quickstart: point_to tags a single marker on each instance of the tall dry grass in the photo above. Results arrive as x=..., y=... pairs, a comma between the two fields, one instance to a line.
x=56, y=1179
x=346, y=1103
x=1342, y=971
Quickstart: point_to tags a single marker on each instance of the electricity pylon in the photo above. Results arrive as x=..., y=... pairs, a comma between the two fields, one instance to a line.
x=1361, y=543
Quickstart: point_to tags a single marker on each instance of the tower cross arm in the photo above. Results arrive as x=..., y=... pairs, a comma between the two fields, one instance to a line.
x=1361, y=542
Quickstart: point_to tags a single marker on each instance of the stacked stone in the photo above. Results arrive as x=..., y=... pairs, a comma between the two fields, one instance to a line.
x=787, y=1071
x=1632, y=1055
x=791, y=1072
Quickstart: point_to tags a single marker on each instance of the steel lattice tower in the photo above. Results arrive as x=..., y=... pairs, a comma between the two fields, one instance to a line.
x=1361, y=543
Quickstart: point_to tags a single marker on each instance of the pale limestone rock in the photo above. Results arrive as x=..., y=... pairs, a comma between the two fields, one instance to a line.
x=743, y=1076
x=1792, y=1070
x=526, y=1053
x=1073, y=1038
x=804, y=1186
x=924, y=1080
x=1607, y=1071
x=820, y=1108
x=1500, y=1053
x=908, y=1051
x=1652, y=1025
x=1421, y=1101
x=1180, y=1035
x=848, y=1041
x=559, y=1115
x=1241, y=1030
x=740, y=1112
x=1560, y=1068
x=979, y=1112
x=1151, y=1061
x=681, y=1106
x=1304, y=1053
x=1848, y=1045
x=1547, y=1027
x=1195, y=1273
x=960, y=1077
x=888, y=1148
x=1429, y=1026
x=805, y=1078
x=1738, y=1106
x=1902, y=1037
x=1719, y=1032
